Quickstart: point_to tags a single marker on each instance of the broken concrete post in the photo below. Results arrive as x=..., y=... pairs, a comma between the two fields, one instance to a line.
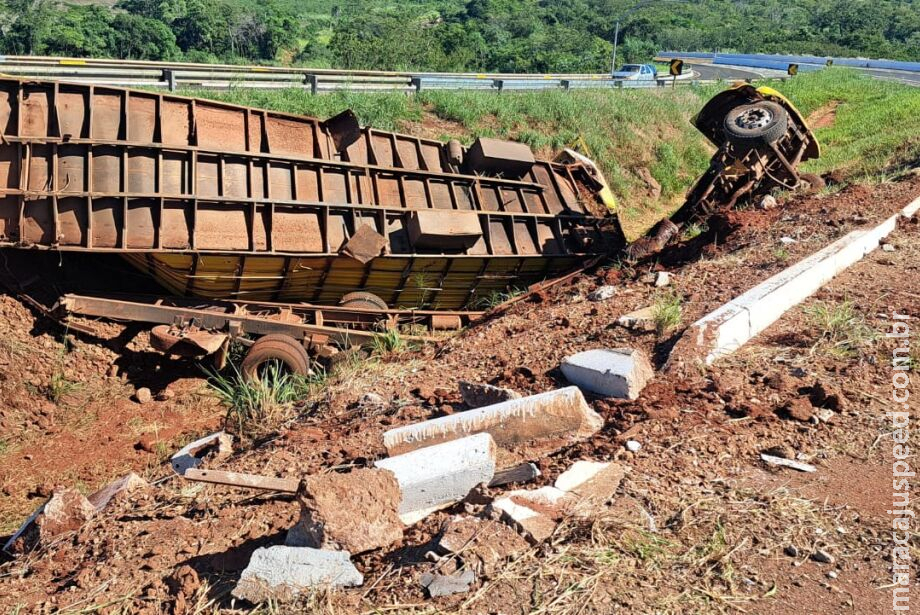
x=621, y=372
x=530, y=427
x=117, y=490
x=357, y=511
x=283, y=573
x=639, y=320
x=536, y=515
x=66, y=511
x=477, y=395
x=437, y=476
x=190, y=455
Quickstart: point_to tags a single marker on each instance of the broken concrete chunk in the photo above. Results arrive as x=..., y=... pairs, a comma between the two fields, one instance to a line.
x=117, y=490
x=530, y=427
x=662, y=279
x=482, y=543
x=440, y=475
x=535, y=525
x=592, y=483
x=283, y=573
x=640, y=320
x=447, y=584
x=477, y=395
x=621, y=372
x=66, y=511
x=190, y=455
x=357, y=511
x=523, y=473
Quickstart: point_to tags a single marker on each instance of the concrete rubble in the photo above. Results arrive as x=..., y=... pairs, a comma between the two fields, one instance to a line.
x=66, y=511
x=639, y=320
x=481, y=543
x=620, y=372
x=603, y=293
x=357, y=511
x=524, y=429
x=437, y=476
x=283, y=573
x=477, y=395
x=117, y=490
x=190, y=456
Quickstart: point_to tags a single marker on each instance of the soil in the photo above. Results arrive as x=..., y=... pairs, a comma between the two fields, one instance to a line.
x=699, y=525
x=825, y=116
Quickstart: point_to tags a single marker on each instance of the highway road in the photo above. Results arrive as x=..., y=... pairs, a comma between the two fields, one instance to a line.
x=719, y=71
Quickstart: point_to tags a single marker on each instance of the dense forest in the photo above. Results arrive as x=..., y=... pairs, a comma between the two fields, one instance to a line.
x=495, y=35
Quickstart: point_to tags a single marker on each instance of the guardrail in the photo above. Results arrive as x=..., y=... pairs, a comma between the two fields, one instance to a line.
x=176, y=75
x=781, y=62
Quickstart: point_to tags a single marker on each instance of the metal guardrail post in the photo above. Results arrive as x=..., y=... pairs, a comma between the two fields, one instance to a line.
x=169, y=76
x=499, y=84
x=416, y=82
x=312, y=81
x=566, y=84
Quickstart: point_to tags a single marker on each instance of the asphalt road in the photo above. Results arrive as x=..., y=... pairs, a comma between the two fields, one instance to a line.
x=716, y=71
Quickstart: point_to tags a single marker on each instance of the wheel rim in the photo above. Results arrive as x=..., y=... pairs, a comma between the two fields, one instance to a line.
x=752, y=119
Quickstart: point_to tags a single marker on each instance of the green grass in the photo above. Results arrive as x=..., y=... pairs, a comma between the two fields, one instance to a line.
x=841, y=328
x=874, y=134
x=258, y=407
x=667, y=312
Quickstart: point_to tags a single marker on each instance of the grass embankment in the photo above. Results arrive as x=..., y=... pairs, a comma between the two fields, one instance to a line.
x=873, y=134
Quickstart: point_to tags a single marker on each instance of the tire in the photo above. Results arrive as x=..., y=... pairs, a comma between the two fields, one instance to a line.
x=276, y=347
x=762, y=122
x=361, y=299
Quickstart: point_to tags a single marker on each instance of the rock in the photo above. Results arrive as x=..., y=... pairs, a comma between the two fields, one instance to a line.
x=823, y=557
x=787, y=241
x=887, y=247
x=526, y=428
x=590, y=483
x=620, y=372
x=798, y=408
x=372, y=401
x=824, y=415
x=357, y=511
x=283, y=573
x=633, y=446
x=783, y=451
x=521, y=473
x=639, y=320
x=482, y=543
x=832, y=574
x=477, y=395
x=439, y=585
x=66, y=511
x=143, y=395
x=165, y=395
x=662, y=279
x=535, y=524
x=440, y=475
x=791, y=551
x=767, y=202
x=117, y=490
x=602, y=293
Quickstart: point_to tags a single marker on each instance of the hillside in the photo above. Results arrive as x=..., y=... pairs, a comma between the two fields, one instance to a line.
x=500, y=35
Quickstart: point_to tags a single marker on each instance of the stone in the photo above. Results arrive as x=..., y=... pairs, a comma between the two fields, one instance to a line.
x=591, y=483
x=639, y=320
x=357, y=511
x=887, y=247
x=823, y=557
x=190, y=455
x=787, y=241
x=66, y=511
x=602, y=293
x=662, y=279
x=824, y=415
x=282, y=573
x=528, y=428
x=767, y=202
x=143, y=395
x=534, y=524
x=787, y=463
x=439, y=585
x=165, y=395
x=633, y=446
x=440, y=475
x=477, y=395
x=791, y=551
x=482, y=543
x=654, y=188
x=620, y=372
x=117, y=490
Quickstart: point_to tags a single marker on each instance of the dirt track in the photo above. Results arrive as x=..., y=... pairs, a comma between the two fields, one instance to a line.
x=700, y=525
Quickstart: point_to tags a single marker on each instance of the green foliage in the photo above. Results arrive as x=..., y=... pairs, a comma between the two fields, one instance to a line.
x=667, y=312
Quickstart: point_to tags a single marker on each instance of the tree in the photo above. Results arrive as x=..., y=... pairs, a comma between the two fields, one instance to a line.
x=142, y=38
